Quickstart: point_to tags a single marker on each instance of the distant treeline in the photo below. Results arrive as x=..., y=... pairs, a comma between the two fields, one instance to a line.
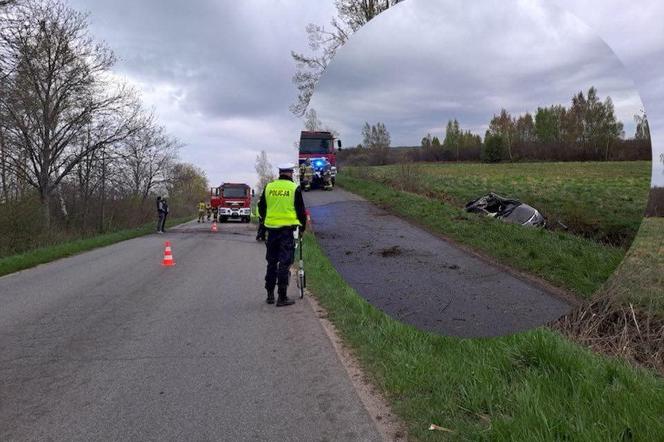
x=621, y=150
x=586, y=131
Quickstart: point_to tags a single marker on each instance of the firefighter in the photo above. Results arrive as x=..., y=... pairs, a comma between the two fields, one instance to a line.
x=201, y=212
x=327, y=178
x=302, y=168
x=208, y=211
x=281, y=208
x=215, y=214
x=308, y=174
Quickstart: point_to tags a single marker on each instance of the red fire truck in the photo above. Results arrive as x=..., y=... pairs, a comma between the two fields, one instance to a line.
x=232, y=201
x=318, y=145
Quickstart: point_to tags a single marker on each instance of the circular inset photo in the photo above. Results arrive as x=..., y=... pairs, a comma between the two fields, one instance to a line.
x=493, y=164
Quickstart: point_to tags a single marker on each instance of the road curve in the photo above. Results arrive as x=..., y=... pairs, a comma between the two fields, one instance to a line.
x=420, y=279
x=110, y=345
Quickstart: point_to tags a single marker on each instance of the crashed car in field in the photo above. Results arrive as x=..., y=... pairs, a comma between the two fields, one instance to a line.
x=506, y=209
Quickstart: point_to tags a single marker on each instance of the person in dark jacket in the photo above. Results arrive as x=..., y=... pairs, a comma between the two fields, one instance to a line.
x=162, y=212
x=282, y=210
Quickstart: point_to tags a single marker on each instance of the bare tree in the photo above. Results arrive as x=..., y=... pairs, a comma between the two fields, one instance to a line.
x=59, y=101
x=324, y=42
x=376, y=136
x=264, y=170
x=642, y=127
x=146, y=158
x=311, y=121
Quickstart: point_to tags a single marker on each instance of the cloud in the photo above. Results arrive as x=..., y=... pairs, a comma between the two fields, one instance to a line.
x=218, y=72
x=634, y=31
x=422, y=63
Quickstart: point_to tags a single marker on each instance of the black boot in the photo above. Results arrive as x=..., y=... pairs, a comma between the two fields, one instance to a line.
x=270, y=297
x=283, y=300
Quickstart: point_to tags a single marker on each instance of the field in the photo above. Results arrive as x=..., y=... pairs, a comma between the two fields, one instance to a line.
x=601, y=204
x=601, y=201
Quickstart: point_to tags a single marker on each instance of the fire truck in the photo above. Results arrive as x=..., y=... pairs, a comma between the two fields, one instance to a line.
x=232, y=201
x=319, y=147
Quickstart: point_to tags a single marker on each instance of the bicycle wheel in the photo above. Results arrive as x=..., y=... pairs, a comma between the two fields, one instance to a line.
x=301, y=282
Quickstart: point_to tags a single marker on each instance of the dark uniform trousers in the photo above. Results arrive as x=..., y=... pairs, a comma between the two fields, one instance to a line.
x=280, y=255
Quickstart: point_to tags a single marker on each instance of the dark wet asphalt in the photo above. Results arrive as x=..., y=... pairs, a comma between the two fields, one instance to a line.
x=420, y=279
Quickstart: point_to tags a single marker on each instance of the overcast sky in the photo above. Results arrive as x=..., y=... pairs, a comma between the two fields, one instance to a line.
x=424, y=62
x=219, y=73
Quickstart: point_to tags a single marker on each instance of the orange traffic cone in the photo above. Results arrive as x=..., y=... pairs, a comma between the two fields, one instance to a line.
x=214, y=226
x=168, y=256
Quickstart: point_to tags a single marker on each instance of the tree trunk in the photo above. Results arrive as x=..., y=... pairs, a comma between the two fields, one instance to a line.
x=102, y=207
x=46, y=210
x=3, y=172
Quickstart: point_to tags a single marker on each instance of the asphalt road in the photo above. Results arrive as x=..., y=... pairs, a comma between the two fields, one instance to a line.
x=110, y=345
x=423, y=280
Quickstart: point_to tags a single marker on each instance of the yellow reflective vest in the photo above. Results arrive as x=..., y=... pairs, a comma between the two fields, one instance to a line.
x=280, y=203
x=201, y=207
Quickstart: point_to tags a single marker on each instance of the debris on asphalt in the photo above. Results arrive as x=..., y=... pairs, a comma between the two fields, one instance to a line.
x=391, y=251
x=506, y=209
x=439, y=428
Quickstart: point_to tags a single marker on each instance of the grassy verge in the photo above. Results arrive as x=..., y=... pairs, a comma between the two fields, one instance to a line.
x=565, y=260
x=15, y=263
x=640, y=277
x=534, y=386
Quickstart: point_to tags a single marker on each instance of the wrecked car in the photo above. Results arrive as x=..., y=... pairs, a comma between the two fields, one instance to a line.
x=506, y=209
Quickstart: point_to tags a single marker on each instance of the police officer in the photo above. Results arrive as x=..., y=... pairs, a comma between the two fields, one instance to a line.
x=260, y=234
x=281, y=208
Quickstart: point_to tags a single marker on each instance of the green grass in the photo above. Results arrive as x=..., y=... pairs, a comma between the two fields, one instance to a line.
x=534, y=386
x=565, y=260
x=604, y=201
x=43, y=255
x=640, y=277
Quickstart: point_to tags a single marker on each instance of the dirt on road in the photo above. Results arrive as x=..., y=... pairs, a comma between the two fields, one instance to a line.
x=421, y=279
